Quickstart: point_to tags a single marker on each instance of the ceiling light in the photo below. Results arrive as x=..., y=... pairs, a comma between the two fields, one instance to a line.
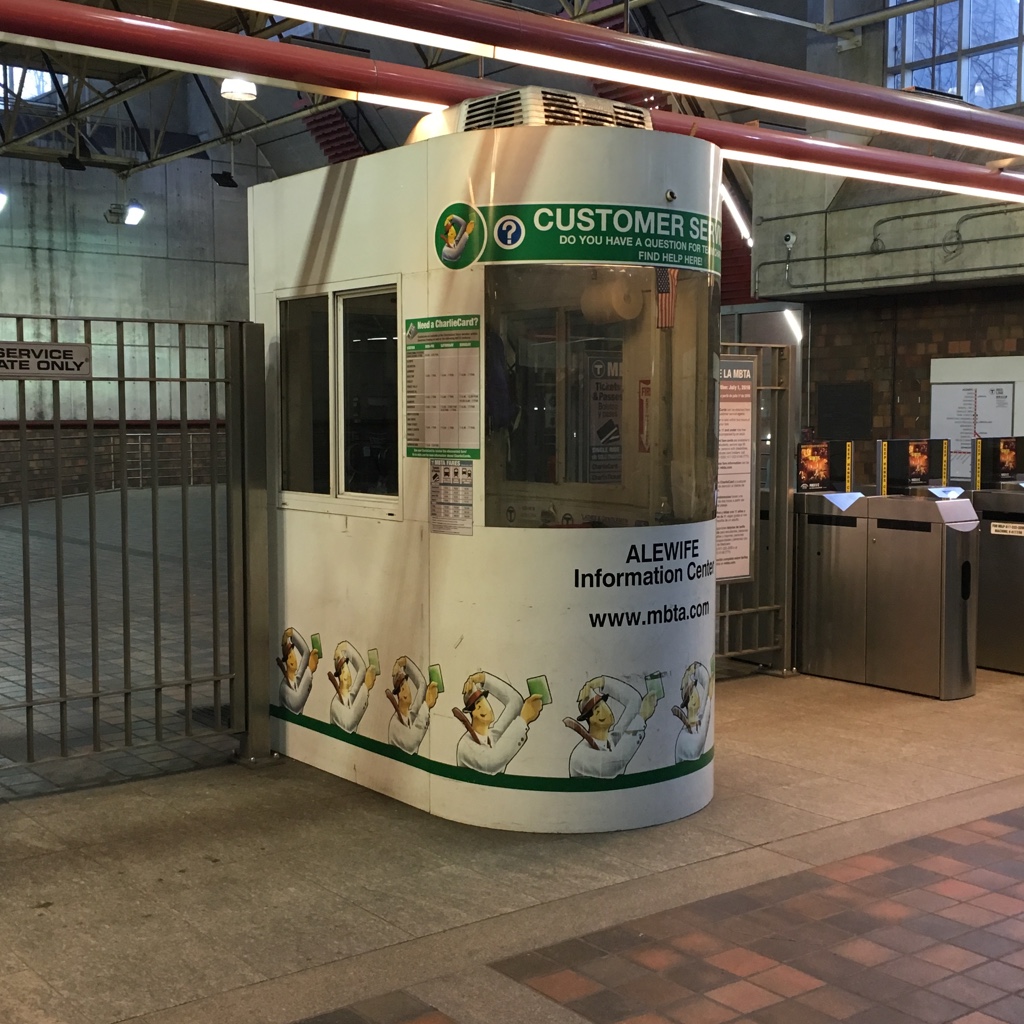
x=133, y=213
x=794, y=325
x=856, y=172
x=225, y=179
x=737, y=217
x=398, y=101
x=239, y=90
x=3, y=199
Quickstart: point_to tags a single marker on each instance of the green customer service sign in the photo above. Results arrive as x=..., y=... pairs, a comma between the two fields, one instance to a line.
x=578, y=233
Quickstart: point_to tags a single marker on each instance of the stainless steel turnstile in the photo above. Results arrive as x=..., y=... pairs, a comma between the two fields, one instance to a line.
x=831, y=615
x=1001, y=579
x=921, y=595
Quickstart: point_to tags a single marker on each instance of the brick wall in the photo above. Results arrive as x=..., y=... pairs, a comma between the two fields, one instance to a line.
x=891, y=341
x=136, y=457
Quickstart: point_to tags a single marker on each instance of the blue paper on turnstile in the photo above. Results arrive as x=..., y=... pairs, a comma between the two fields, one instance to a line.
x=843, y=499
x=946, y=492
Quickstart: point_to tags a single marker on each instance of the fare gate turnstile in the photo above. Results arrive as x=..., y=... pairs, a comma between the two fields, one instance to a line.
x=831, y=617
x=1000, y=579
x=921, y=595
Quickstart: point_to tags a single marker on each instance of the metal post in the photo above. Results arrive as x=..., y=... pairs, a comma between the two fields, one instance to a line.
x=249, y=533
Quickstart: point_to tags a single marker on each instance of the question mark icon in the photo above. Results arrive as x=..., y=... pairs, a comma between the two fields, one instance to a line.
x=509, y=232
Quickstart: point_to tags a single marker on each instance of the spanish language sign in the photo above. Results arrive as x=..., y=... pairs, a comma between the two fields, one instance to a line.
x=442, y=387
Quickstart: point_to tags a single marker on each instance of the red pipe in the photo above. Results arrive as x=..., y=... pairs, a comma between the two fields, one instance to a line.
x=56, y=22
x=553, y=36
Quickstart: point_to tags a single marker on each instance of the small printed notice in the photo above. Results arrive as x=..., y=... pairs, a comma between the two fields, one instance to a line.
x=735, y=514
x=451, y=496
x=21, y=361
x=1008, y=529
x=442, y=387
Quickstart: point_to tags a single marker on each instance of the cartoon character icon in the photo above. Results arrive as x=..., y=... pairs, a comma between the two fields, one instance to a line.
x=489, y=745
x=455, y=231
x=298, y=662
x=353, y=680
x=413, y=698
x=609, y=742
x=694, y=711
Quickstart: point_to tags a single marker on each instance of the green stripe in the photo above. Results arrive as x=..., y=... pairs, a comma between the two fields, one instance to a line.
x=536, y=783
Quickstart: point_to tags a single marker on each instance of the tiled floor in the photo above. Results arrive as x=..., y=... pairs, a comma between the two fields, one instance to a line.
x=927, y=931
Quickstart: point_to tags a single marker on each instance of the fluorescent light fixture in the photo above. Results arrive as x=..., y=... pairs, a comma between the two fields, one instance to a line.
x=302, y=12
x=794, y=325
x=133, y=213
x=397, y=101
x=737, y=216
x=239, y=90
x=855, y=172
x=3, y=200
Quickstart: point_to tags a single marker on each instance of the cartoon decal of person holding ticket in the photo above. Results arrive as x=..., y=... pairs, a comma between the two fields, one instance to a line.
x=694, y=711
x=353, y=680
x=609, y=742
x=489, y=745
x=298, y=662
x=413, y=698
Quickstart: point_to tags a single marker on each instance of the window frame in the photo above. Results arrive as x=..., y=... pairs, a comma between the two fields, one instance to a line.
x=338, y=501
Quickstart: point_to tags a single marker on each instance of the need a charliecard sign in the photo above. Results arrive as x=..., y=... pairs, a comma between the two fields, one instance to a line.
x=36, y=361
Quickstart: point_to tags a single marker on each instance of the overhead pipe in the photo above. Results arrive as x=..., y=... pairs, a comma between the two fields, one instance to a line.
x=556, y=37
x=58, y=24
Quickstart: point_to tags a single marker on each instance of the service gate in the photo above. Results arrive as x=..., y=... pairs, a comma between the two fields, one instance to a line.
x=126, y=519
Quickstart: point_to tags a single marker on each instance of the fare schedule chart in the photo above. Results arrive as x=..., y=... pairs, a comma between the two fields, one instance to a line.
x=442, y=387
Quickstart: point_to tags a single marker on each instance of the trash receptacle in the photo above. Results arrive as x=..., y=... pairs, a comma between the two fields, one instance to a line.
x=921, y=595
x=831, y=595
x=1000, y=578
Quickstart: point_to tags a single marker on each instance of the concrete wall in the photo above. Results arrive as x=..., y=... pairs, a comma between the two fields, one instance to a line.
x=187, y=259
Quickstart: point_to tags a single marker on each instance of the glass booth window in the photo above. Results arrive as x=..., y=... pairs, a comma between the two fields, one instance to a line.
x=599, y=396
x=369, y=373
x=305, y=395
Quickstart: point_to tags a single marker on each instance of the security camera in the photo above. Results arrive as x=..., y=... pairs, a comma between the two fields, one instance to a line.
x=789, y=239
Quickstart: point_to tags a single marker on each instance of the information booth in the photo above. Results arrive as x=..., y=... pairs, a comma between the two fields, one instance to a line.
x=492, y=366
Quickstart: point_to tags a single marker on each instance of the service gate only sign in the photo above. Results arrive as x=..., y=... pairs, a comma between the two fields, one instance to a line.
x=45, y=362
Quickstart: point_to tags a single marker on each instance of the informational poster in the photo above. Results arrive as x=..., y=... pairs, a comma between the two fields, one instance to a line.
x=736, y=465
x=604, y=385
x=442, y=387
x=451, y=496
x=963, y=412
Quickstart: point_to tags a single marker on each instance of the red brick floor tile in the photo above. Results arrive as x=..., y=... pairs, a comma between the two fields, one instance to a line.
x=788, y=981
x=960, y=836
x=434, y=1017
x=813, y=906
x=956, y=889
x=700, y=1010
x=654, y=991
x=834, y=1002
x=866, y=952
x=944, y=865
x=889, y=910
x=989, y=828
x=870, y=862
x=965, y=913
x=1016, y=890
x=647, y=1018
x=915, y=970
x=1000, y=903
x=962, y=989
x=977, y=1018
x=698, y=943
x=953, y=957
x=744, y=996
x=742, y=962
x=842, y=872
x=655, y=958
x=564, y=986
x=847, y=895
x=1001, y=975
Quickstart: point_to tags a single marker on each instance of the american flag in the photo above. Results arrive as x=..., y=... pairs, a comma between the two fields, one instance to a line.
x=665, y=281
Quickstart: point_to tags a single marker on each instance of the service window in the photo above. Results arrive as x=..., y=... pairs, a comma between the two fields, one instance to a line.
x=368, y=368
x=305, y=395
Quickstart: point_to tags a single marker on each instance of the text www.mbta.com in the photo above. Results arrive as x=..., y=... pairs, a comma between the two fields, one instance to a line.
x=652, y=617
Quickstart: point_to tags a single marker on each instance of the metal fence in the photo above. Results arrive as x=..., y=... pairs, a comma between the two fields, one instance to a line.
x=123, y=610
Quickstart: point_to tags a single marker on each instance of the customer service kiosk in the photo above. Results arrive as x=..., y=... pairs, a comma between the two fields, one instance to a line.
x=492, y=395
